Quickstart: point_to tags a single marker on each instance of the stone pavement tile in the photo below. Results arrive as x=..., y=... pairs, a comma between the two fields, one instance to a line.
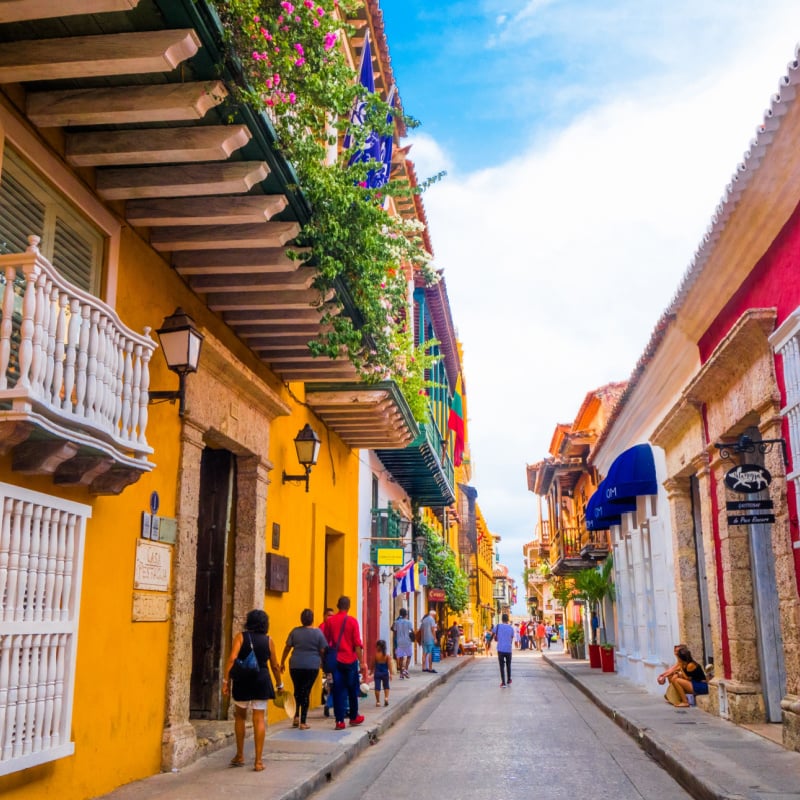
x=297, y=762
x=711, y=757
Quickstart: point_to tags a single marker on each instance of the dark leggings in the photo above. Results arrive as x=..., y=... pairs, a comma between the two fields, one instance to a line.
x=303, y=680
x=505, y=667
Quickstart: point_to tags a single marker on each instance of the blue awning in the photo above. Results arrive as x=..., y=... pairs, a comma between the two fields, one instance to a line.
x=632, y=475
x=600, y=514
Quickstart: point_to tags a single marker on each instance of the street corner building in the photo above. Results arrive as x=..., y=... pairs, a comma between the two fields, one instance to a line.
x=172, y=455
x=698, y=458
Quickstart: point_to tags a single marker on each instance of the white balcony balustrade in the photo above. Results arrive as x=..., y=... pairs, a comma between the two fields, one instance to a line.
x=71, y=370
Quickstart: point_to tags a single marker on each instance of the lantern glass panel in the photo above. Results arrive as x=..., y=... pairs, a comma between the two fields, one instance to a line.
x=176, y=347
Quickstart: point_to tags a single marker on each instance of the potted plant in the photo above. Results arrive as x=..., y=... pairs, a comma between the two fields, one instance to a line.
x=607, y=657
x=575, y=639
x=594, y=586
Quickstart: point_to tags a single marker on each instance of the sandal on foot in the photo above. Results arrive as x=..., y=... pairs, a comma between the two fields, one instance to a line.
x=378, y=704
x=296, y=722
x=258, y=767
x=237, y=761
x=386, y=702
x=304, y=727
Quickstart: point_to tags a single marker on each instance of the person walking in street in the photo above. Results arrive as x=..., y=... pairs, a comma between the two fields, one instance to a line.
x=541, y=632
x=548, y=632
x=307, y=646
x=517, y=636
x=523, y=635
x=428, y=628
x=252, y=691
x=454, y=635
x=504, y=636
x=487, y=638
x=343, y=633
x=382, y=670
x=403, y=631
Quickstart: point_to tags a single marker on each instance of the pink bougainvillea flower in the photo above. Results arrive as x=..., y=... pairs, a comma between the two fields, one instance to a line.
x=299, y=62
x=308, y=3
x=330, y=40
x=256, y=20
x=277, y=79
x=321, y=11
x=292, y=98
x=287, y=7
x=315, y=23
x=299, y=48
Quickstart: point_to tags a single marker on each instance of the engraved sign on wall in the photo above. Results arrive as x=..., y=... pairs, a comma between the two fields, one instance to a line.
x=150, y=607
x=277, y=573
x=153, y=566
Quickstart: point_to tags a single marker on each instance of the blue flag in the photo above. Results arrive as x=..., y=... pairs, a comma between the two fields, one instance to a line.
x=375, y=147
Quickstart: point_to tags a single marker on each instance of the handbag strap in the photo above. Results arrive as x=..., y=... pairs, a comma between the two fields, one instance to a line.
x=341, y=632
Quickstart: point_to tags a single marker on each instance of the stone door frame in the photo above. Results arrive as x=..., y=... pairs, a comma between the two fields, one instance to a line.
x=227, y=406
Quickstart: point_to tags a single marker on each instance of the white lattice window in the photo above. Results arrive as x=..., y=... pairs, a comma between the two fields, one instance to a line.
x=41, y=558
x=786, y=342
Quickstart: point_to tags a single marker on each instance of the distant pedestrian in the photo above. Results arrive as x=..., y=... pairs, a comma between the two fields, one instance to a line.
x=343, y=632
x=523, y=635
x=541, y=632
x=487, y=638
x=404, y=633
x=382, y=671
x=307, y=646
x=428, y=635
x=504, y=636
x=252, y=692
x=517, y=636
x=327, y=677
x=548, y=632
x=454, y=636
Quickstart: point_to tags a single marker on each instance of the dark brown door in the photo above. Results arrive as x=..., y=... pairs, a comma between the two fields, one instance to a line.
x=216, y=488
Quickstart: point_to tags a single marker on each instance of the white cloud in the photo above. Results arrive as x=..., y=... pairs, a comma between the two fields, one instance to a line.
x=560, y=260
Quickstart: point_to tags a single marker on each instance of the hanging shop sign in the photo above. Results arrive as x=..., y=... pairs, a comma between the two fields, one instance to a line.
x=749, y=505
x=436, y=595
x=389, y=556
x=747, y=478
x=751, y=519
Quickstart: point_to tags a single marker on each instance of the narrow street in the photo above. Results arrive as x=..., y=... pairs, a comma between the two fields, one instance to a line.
x=470, y=738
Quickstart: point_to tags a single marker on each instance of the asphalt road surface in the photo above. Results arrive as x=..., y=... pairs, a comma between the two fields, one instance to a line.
x=470, y=739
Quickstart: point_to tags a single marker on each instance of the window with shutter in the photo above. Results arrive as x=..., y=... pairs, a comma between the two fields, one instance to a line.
x=29, y=206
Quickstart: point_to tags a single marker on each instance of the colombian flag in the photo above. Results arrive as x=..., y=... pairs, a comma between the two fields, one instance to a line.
x=455, y=422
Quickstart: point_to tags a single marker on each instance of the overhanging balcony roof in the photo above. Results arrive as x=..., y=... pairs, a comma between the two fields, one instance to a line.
x=138, y=93
x=364, y=416
x=420, y=469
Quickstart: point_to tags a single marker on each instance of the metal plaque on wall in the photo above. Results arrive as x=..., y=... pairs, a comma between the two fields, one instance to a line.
x=277, y=573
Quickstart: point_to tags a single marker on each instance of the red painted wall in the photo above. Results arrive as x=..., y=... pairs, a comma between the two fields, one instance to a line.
x=773, y=283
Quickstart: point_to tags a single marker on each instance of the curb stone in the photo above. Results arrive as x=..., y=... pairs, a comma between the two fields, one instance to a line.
x=330, y=769
x=700, y=788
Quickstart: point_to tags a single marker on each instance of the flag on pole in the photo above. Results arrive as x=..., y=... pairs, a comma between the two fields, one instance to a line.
x=375, y=147
x=455, y=423
x=405, y=579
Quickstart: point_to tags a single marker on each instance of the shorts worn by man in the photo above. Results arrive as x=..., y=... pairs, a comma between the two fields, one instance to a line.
x=428, y=628
x=504, y=636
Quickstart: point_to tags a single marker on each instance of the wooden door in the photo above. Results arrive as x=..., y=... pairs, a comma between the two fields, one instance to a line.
x=216, y=501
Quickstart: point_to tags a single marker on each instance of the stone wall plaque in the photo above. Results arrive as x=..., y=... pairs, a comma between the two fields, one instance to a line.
x=168, y=532
x=152, y=569
x=150, y=607
x=277, y=573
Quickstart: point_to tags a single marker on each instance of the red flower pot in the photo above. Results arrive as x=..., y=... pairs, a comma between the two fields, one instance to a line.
x=607, y=658
x=594, y=656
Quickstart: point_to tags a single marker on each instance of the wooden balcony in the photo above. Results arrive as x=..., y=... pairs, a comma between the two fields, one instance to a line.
x=566, y=552
x=73, y=380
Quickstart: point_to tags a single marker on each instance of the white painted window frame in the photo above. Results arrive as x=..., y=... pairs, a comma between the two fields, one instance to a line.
x=39, y=636
x=785, y=342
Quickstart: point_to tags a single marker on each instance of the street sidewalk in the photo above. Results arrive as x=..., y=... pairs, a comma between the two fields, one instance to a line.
x=297, y=762
x=713, y=759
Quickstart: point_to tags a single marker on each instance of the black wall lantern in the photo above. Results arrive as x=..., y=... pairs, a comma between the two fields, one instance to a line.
x=180, y=343
x=307, y=444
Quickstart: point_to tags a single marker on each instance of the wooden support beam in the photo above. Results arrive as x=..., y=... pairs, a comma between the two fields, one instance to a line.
x=223, y=237
x=274, y=318
x=255, y=301
x=212, y=262
x=155, y=146
x=188, y=180
x=121, y=105
x=272, y=281
x=239, y=210
x=280, y=339
x=19, y=10
x=304, y=373
x=347, y=397
x=96, y=56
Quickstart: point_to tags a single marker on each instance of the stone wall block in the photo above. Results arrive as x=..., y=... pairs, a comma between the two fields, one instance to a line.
x=738, y=587
x=744, y=660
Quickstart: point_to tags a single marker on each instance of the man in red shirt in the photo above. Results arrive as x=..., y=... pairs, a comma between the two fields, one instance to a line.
x=342, y=631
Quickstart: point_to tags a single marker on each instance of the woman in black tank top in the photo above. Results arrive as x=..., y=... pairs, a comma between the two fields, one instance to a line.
x=252, y=692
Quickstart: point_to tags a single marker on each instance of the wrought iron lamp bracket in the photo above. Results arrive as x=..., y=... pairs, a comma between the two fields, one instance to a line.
x=745, y=444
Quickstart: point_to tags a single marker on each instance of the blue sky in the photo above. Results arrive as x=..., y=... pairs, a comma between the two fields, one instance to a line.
x=587, y=143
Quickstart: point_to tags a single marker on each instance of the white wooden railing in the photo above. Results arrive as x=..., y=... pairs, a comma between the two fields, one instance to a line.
x=41, y=557
x=66, y=354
